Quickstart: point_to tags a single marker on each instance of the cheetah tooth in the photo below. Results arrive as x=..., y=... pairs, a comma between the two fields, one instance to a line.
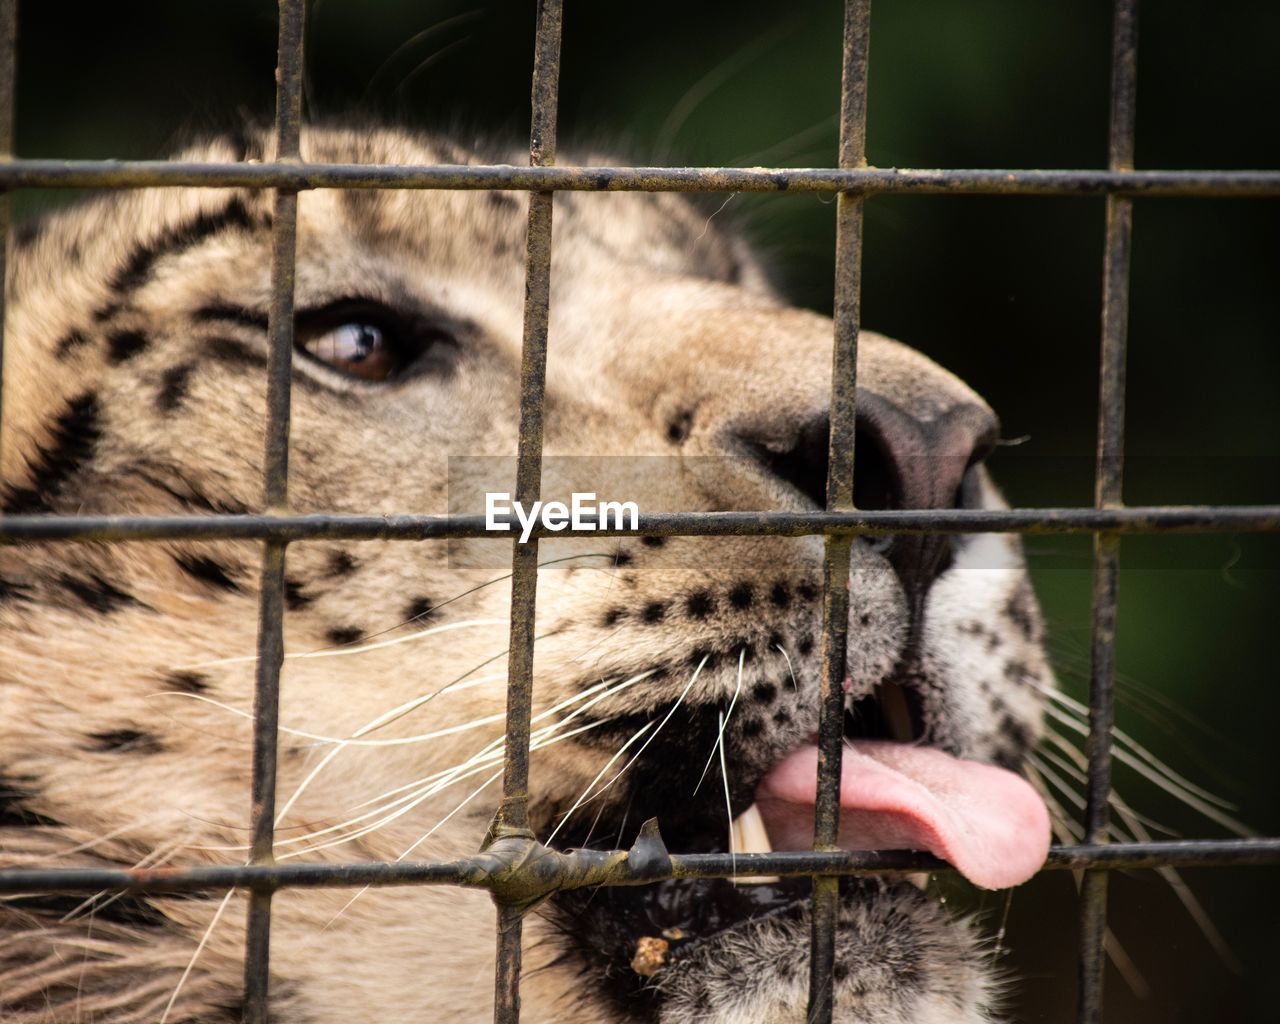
x=747, y=834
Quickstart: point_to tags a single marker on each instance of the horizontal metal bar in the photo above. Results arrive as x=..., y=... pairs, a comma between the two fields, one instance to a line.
x=485, y=870
x=864, y=180
x=1192, y=519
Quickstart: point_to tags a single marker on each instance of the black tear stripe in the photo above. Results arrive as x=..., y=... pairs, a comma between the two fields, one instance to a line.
x=177, y=239
x=98, y=595
x=208, y=570
x=124, y=741
x=73, y=437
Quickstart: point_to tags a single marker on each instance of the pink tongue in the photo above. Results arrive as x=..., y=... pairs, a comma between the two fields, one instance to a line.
x=987, y=822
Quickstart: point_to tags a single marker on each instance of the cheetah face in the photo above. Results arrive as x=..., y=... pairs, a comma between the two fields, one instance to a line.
x=675, y=679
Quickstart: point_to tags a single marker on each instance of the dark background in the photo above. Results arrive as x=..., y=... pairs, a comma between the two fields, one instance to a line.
x=1006, y=291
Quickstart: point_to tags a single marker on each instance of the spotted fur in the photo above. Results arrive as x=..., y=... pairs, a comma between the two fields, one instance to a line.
x=135, y=385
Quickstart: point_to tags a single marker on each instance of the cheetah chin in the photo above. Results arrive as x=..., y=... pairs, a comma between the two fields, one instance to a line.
x=675, y=679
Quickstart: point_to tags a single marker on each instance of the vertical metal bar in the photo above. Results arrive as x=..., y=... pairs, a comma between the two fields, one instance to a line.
x=8, y=69
x=835, y=567
x=266, y=699
x=1108, y=493
x=513, y=816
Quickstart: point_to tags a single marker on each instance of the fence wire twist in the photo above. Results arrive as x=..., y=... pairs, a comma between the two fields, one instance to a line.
x=504, y=867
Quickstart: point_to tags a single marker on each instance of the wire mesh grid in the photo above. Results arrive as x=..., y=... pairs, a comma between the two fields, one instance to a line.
x=505, y=866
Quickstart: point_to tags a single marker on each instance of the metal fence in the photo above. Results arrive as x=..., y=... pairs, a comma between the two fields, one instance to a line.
x=505, y=866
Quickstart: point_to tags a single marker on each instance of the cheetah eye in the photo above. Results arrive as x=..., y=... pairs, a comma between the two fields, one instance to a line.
x=359, y=349
x=369, y=341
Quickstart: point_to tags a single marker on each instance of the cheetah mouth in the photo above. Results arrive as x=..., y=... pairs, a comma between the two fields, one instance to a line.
x=896, y=793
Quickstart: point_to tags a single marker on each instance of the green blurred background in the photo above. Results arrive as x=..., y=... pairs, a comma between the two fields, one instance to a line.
x=1003, y=290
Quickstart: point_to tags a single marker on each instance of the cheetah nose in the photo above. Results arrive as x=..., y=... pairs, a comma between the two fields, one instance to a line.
x=926, y=463
x=902, y=461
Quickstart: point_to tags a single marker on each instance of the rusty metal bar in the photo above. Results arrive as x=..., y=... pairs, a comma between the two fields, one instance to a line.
x=114, y=174
x=8, y=76
x=266, y=697
x=1136, y=519
x=1108, y=494
x=513, y=814
x=837, y=547
x=486, y=870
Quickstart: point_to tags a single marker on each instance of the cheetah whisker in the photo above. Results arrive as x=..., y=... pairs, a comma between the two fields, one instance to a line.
x=96, y=902
x=106, y=837
x=418, y=842
x=790, y=668
x=683, y=693
x=724, y=720
x=1114, y=830
x=599, y=775
x=413, y=800
x=728, y=804
x=596, y=693
x=1138, y=826
x=1073, y=763
x=1188, y=797
x=490, y=754
x=413, y=793
x=432, y=830
x=493, y=778
x=353, y=740
x=343, y=652
x=1065, y=829
x=1138, y=750
x=376, y=723
x=1068, y=831
x=204, y=941
x=1188, y=899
